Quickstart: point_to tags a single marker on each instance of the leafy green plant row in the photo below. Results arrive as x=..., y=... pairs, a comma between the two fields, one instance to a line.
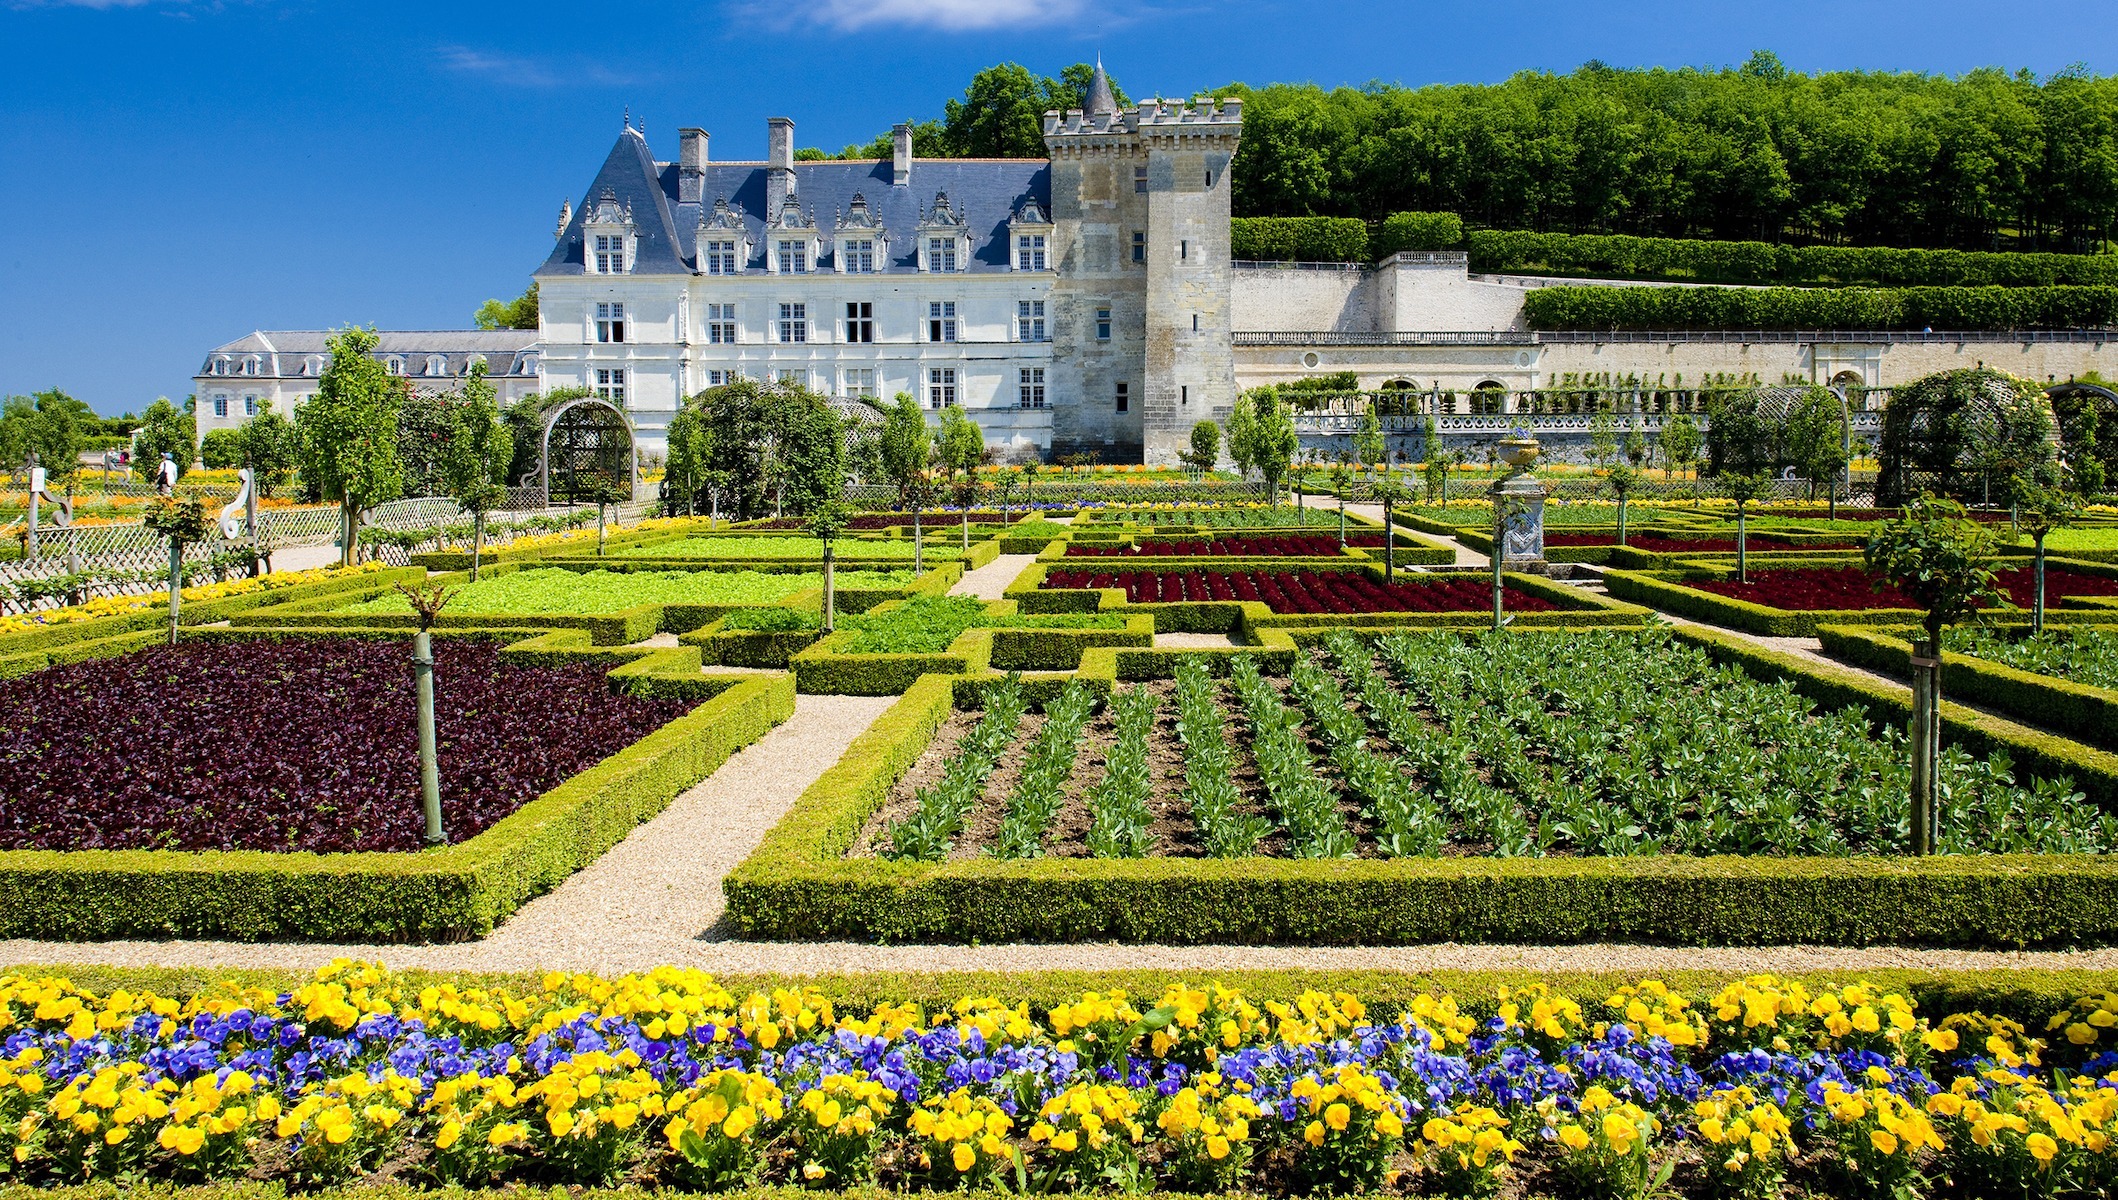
x=1520, y=251
x=931, y=829
x=1405, y=817
x=1948, y=308
x=1305, y=805
x=1118, y=806
x=1040, y=790
x=1209, y=767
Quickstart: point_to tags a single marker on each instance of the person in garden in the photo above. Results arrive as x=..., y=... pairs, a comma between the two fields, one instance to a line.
x=165, y=476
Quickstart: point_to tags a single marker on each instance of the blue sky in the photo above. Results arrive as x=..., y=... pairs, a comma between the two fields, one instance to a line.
x=179, y=172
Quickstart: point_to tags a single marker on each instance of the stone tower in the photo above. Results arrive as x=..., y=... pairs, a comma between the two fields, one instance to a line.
x=1140, y=206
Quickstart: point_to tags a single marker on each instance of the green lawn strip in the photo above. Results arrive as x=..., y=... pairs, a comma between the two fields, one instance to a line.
x=799, y=548
x=539, y=591
x=462, y=890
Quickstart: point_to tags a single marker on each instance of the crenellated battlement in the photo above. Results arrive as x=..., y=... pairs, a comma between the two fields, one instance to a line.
x=1208, y=115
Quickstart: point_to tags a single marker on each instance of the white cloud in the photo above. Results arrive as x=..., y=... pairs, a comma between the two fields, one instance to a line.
x=525, y=71
x=950, y=15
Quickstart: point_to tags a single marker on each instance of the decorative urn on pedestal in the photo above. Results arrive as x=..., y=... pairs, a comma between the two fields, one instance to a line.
x=1518, y=505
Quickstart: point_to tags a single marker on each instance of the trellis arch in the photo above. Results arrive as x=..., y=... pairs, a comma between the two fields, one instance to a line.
x=597, y=443
x=1747, y=430
x=2087, y=415
x=1961, y=434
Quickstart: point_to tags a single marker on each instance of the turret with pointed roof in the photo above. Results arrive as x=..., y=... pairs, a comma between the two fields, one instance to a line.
x=1101, y=100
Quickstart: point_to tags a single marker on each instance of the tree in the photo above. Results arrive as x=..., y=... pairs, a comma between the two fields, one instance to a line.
x=826, y=522
x=1434, y=466
x=2041, y=506
x=1743, y=487
x=1243, y=436
x=427, y=603
x=1341, y=483
x=1392, y=492
x=1205, y=447
x=1603, y=435
x=165, y=430
x=1815, y=439
x=519, y=313
x=1002, y=112
x=1368, y=444
x=1622, y=479
x=221, y=449
x=960, y=446
x=1277, y=443
x=906, y=447
x=476, y=456
x=1680, y=443
x=348, y=433
x=182, y=521
x=270, y=448
x=51, y=425
x=1944, y=562
x=771, y=446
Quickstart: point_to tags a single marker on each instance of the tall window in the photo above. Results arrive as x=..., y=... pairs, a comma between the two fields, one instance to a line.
x=1029, y=252
x=1032, y=383
x=1124, y=396
x=720, y=258
x=941, y=254
x=794, y=322
x=610, y=254
x=220, y=406
x=720, y=324
x=1140, y=179
x=1139, y=246
x=794, y=257
x=1029, y=320
x=860, y=257
x=610, y=384
x=250, y=406
x=860, y=321
x=860, y=381
x=941, y=320
x=941, y=387
x=719, y=378
x=394, y=366
x=610, y=322
x=437, y=365
x=1102, y=324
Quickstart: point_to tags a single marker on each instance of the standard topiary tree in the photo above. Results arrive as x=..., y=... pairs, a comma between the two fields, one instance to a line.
x=348, y=432
x=2040, y=507
x=1815, y=439
x=1622, y=480
x=1743, y=487
x=1341, y=483
x=1680, y=443
x=182, y=521
x=826, y=522
x=1243, y=435
x=1945, y=564
x=427, y=603
x=961, y=446
x=1368, y=445
x=1392, y=492
x=475, y=452
x=270, y=448
x=1205, y=447
x=906, y=445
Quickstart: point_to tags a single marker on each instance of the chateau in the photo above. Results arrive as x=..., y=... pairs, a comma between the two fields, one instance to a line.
x=1084, y=302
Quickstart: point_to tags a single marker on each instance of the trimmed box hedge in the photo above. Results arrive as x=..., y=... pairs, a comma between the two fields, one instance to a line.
x=1519, y=251
x=458, y=891
x=822, y=669
x=200, y=612
x=2076, y=709
x=1953, y=308
x=799, y=884
x=1664, y=590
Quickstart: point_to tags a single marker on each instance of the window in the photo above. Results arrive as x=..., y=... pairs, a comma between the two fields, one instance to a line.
x=720, y=258
x=610, y=322
x=1184, y=395
x=860, y=381
x=1139, y=246
x=794, y=257
x=860, y=257
x=1183, y=250
x=1140, y=179
x=220, y=406
x=941, y=387
x=941, y=320
x=528, y=365
x=220, y=366
x=794, y=323
x=610, y=254
x=860, y=321
x=315, y=365
x=941, y=254
x=250, y=366
x=1029, y=320
x=1032, y=387
x=437, y=365
x=250, y=406
x=1102, y=324
x=1124, y=396
x=1029, y=252
x=720, y=324
x=610, y=384
x=720, y=378
x=794, y=376
x=1194, y=322
x=394, y=366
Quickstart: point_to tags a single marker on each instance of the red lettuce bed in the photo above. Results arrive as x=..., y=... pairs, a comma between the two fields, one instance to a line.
x=296, y=745
x=1806, y=589
x=1339, y=592
x=1708, y=545
x=1297, y=544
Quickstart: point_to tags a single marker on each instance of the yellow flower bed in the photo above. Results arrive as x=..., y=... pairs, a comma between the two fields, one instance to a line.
x=115, y=606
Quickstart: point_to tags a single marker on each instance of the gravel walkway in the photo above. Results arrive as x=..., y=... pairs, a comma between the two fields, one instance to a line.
x=990, y=582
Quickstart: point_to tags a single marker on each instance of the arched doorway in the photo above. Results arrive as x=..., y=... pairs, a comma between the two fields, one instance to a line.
x=587, y=443
x=1489, y=398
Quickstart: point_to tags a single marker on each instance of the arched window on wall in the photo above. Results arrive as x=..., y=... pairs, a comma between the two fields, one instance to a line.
x=1489, y=398
x=1855, y=388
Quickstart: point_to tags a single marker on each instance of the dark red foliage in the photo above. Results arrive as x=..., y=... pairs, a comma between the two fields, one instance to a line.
x=1673, y=545
x=1340, y=592
x=1805, y=589
x=295, y=745
x=1302, y=544
x=1868, y=514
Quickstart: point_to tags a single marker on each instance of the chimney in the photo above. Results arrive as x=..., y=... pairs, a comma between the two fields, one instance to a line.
x=691, y=165
x=779, y=165
x=901, y=154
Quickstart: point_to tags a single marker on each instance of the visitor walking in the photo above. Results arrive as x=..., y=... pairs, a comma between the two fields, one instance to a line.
x=165, y=476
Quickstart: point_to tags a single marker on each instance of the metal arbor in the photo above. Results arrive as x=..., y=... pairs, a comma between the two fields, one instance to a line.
x=1961, y=434
x=587, y=443
x=1771, y=429
x=2087, y=414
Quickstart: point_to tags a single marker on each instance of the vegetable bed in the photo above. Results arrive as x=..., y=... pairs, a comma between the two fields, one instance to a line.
x=1304, y=591
x=1762, y=542
x=541, y=590
x=1299, y=545
x=2085, y=654
x=796, y=548
x=1853, y=588
x=259, y=745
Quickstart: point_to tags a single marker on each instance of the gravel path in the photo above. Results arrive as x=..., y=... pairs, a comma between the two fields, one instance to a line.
x=991, y=581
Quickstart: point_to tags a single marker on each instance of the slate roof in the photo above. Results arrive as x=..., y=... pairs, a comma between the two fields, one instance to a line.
x=986, y=191
x=284, y=350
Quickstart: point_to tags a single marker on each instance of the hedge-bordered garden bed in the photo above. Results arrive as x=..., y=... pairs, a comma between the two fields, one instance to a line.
x=1666, y=591
x=2064, y=705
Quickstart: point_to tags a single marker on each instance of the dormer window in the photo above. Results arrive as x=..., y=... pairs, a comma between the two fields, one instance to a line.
x=723, y=244
x=720, y=257
x=862, y=244
x=528, y=365
x=250, y=365
x=794, y=256
x=941, y=254
x=314, y=367
x=610, y=254
x=394, y=366
x=1029, y=252
x=611, y=237
x=610, y=322
x=857, y=256
x=944, y=238
x=220, y=366
x=475, y=360
x=437, y=365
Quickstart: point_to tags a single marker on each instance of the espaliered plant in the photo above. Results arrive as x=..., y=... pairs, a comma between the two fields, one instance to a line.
x=1120, y=818
x=1041, y=789
x=929, y=831
x=1210, y=791
x=1306, y=806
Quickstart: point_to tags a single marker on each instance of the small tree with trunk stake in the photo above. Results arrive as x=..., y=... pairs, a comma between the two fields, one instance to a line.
x=1391, y=491
x=1277, y=442
x=427, y=603
x=1243, y=435
x=1622, y=479
x=1945, y=564
x=961, y=446
x=1368, y=445
x=476, y=456
x=603, y=494
x=1205, y=447
x=826, y=523
x=182, y=522
x=2040, y=508
x=1341, y=483
x=1744, y=487
x=1680, y=443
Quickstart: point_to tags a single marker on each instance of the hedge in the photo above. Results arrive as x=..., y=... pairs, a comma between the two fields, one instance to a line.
x=1416, y=231
x=2077, y=709
x=799, y=884
x=1946, y=308
x=1664, y=590
x=1298, y=239
x=197, y=612
x=1610, y=255
x=460, y=891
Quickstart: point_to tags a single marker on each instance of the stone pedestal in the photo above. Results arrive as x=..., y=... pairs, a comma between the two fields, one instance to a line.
x=1519, y=500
